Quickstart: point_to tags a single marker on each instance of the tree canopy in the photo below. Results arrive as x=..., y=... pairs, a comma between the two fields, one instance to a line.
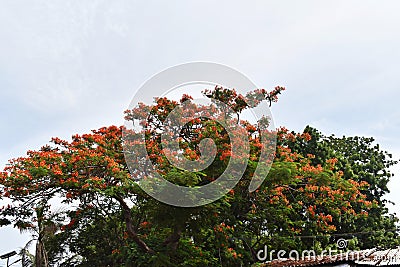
x=318, y=188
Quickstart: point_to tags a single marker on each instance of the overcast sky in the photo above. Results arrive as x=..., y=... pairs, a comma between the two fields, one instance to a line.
x=71, y=66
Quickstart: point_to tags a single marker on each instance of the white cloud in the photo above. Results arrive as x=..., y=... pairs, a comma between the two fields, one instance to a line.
x=69, y=67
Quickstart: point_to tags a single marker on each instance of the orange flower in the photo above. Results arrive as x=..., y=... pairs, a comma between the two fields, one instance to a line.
x=145, y=224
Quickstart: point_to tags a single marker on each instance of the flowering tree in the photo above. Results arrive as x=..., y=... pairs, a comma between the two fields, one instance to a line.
x=109, y=220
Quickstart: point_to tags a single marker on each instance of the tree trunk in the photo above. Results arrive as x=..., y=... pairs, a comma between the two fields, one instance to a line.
x=173, y=240
x=129, y=226
x=41, y=255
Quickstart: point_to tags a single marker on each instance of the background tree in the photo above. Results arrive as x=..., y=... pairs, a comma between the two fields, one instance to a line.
x=362, y=160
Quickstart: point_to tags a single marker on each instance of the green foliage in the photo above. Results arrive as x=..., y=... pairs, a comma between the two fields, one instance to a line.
x=361, y=160
x=318, y=189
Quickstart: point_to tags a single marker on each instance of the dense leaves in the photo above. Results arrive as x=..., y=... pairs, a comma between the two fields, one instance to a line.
x=361, y=160
x=318, y=188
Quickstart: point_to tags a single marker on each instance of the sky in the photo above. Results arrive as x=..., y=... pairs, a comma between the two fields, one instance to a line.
x=68, y=67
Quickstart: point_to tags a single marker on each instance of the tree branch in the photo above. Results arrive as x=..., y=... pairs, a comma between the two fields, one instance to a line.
x=129, y=225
